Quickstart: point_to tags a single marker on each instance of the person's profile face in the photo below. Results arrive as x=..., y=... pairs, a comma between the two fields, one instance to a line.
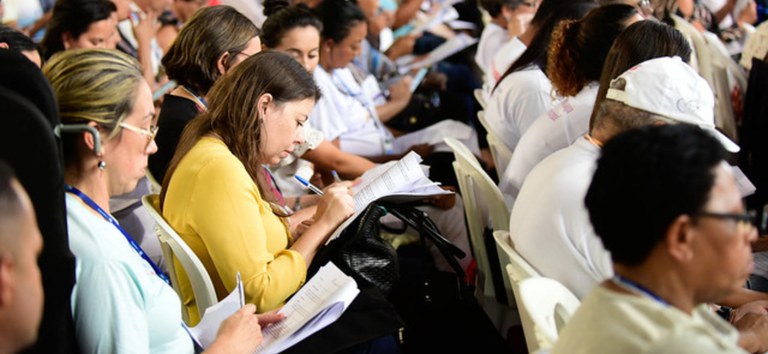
x=303, y=44
x=341, y=53
x=722, y=245
x=28, y=287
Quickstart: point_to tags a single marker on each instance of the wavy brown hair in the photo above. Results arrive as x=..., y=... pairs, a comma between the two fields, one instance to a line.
x=578, y=47
x=233, y=114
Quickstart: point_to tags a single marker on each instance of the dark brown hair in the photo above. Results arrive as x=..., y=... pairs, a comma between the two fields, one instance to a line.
x=211, y=32
x=233, y=114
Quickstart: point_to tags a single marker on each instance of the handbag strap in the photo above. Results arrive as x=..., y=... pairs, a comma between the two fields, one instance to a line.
x=427, y=229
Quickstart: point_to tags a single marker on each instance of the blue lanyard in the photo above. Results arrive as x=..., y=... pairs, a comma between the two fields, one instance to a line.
x=202, y=105
x=637, y=289
x=368, y=105
x=88, y=201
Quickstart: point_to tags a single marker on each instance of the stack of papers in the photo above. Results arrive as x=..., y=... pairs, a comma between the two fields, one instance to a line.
x=403, y=180
x=320, y=302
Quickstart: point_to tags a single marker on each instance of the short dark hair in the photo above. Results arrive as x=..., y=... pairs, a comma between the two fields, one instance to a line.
x=73, y=17
x=283, y=17
x=9, y=199
x=211, y=32
x=16, y=40
x=643, y=40
x=645, y=179
x=338, y=17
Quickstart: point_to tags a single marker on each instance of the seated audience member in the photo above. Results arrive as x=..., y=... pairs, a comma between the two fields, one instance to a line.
x=666, y=205
x=575, y=60
x=138, y=35
x=21, y=289
x=80, y=24
x=255, y=116
x=296, y=31
x=15, y=40
x=495, y=33
x=524, y=91
x=549, y=217
x=214, y=40
x=122, y=302
x=172, y=21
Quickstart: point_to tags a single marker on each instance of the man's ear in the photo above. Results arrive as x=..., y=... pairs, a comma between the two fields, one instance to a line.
x=4, y=45
x=680, y=237
x=222, y=64
x=7, y=280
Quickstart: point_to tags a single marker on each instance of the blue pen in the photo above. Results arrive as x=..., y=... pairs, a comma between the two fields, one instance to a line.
x=336, y=176
x=309, y=185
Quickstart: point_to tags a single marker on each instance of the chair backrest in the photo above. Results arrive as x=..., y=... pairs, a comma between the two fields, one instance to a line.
x=484, y=207
x=480, y=97
x=31, y=148
x=499, y=150
x=517, y=270
x=550, y=305
x=174, y=248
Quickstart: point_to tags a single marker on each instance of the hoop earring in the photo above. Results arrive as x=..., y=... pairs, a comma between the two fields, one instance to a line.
x=101, y=165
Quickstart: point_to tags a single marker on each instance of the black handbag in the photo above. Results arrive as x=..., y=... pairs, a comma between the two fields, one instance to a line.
x=361, y=253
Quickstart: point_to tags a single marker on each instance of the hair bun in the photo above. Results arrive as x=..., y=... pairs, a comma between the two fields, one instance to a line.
x=273, y=6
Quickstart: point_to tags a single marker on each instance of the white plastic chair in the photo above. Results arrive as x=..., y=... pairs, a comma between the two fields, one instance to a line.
x=480, y=97
x=550, y=305
x=175, y=248
x=499, y=149
x=517, y=270
x=483, y=206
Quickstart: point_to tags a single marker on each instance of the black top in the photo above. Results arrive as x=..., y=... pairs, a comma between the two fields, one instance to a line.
x=175, y=113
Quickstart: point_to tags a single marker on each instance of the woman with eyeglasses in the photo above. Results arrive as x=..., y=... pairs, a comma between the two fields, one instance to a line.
x=122, y=301
x=212, y=42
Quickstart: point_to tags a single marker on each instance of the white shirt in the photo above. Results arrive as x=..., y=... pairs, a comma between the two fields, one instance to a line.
x=556, y=129
x=492, y=38
x=520, y=98
x=612, y=322
x=339, y=115
x=502, y=60
x=550, y=226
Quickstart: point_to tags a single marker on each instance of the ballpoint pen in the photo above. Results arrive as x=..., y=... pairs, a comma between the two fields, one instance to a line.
x=335, y=176
x=240, y=290
x=309, y=185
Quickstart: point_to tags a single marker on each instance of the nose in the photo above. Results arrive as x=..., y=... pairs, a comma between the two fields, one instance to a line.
x=299, y=137
x=152, y=147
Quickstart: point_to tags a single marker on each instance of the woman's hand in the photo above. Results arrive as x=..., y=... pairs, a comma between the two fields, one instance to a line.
x=240, y=333
x=336, y=205
x=401, y=91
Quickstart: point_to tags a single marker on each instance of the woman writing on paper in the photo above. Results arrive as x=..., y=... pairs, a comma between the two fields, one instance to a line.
x=214, y=191
x=122, y=301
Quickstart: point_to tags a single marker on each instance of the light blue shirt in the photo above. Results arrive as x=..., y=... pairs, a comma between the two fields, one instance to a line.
x=119, y=304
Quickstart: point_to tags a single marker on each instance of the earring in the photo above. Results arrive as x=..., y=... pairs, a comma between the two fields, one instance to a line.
x=101, y=165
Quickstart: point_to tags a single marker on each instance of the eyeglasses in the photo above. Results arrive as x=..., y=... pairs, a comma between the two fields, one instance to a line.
x=744, y=222
x=149, y=134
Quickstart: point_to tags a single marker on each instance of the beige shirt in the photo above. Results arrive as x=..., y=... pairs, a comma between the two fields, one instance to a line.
x=610, y=322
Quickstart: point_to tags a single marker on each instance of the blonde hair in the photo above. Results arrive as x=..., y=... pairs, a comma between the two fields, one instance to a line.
x=93, y=85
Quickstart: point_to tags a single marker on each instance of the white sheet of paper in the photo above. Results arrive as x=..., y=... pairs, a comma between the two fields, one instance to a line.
x=205, y=331
x=318, y=303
